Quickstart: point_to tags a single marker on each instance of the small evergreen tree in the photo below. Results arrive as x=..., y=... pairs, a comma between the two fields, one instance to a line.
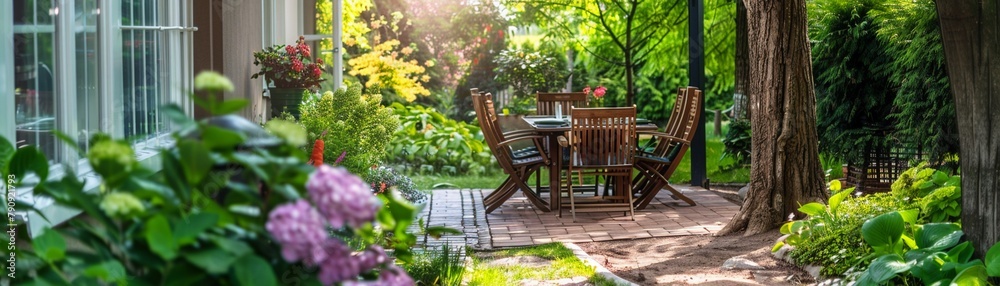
x=925, y=110
x=853, y=90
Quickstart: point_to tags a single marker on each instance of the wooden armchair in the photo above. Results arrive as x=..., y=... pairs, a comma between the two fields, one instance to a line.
x=517, y=167
x=603, y=143
x=657, y=160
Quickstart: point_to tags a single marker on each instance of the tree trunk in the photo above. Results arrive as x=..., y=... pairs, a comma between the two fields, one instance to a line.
x=629, y=81
x=785, y=171
x=969, y=32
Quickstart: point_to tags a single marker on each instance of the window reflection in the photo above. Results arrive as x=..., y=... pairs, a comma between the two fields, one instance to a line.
x=87, y=98
x=34, y=100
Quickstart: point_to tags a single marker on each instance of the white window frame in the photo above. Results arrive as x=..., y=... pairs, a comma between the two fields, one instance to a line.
x=176, y=49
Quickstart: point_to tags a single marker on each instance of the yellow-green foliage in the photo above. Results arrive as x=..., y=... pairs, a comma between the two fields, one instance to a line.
x=357, y=124
x=939, y=195
x=841, y=247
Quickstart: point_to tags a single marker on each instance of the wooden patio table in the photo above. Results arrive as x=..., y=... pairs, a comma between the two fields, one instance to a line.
x=555, y=154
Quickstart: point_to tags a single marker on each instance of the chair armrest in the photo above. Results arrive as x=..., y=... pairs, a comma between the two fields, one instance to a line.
x=537, y=139
x=512, y=140
x=519, y=133
x=563, y=141
x=663, y=135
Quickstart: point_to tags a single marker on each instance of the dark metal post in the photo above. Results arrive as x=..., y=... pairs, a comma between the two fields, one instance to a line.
x=696, y=75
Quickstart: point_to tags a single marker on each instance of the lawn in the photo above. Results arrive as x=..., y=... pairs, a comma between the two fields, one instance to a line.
x=563, y=265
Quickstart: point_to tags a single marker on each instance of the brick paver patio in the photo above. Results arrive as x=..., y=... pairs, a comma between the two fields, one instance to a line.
x=518, y=223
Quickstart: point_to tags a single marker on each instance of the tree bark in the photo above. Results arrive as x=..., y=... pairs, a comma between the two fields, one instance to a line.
x=785, y=171
x=970, y=32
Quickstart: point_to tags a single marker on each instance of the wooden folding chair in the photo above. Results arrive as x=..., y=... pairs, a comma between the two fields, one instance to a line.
x=658, y=162
x=603, y=142
x=517, y=168
x=546, y=102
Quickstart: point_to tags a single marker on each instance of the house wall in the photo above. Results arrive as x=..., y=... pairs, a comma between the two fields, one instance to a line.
x=229, y=32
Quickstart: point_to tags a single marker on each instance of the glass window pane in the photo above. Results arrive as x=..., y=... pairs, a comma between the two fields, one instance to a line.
x=142, y=68
x=34, y=82
x=88, y=100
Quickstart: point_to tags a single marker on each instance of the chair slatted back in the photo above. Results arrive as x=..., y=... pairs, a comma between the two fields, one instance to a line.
x=603, y=136
x=483, y=105
x=546, y=102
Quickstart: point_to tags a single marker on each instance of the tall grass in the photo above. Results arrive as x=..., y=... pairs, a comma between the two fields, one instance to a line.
x=431, y=267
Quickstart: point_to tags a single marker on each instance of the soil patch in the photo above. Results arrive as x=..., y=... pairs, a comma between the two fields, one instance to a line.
x=684, y=260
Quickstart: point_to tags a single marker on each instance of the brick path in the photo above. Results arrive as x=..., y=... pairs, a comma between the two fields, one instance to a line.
x=517, y=223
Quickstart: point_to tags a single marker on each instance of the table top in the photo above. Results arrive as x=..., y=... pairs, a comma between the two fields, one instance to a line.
x=534, y=121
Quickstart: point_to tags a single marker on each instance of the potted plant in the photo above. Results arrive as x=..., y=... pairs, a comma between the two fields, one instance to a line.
x=289, y=73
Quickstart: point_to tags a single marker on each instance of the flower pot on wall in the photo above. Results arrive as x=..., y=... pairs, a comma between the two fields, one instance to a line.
x=282, y=98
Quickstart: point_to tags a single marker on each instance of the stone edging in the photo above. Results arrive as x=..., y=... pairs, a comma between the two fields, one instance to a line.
x=598, y=268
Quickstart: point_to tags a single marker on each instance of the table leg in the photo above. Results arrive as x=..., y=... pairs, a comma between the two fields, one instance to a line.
x=555, y=172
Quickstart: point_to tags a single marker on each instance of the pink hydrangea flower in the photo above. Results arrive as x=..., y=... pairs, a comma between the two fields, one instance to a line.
x=341, y=197
x=297, y=65
x=298, y=227
x=290, y=50
x=599, y=92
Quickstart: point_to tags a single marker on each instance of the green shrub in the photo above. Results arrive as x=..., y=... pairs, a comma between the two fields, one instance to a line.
x=357, y=124
x=429, y=142
x=938, y=194
x=840, y=247
x=737, y=142
x=190, y=223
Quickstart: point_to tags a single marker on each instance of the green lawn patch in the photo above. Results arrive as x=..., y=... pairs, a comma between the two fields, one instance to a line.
x=564, y=265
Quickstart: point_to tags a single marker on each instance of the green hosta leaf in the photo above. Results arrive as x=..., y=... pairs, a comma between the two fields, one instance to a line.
x=196, y=160
x=6, y=152
x=161, y=238
x=108, y=271
x=229, y=106
x=882, y=269
x=940, y=178
x=993, y=260
x=252, y=270
x=961, y=253
x=213, y=260
x=883, y=231
x=912, y=244
x=219, y=138
x=190, y=227
x=786, y=228
x=777, y=246
x=835, y=186
x=938, y=236
x=50, y=246
x=925, y=265
x=836, y=199
x=972, y=276
x=176, y=115
x=910, y=216
x=235, y=247
x=813, y=208
x=28, y=159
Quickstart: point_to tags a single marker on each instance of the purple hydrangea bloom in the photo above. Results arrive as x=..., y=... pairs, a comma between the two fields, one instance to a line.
x=342, y=197
x=371, y=258
x=390, y=276
x=298, y=227
x=394, y=276
x=339, y=265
